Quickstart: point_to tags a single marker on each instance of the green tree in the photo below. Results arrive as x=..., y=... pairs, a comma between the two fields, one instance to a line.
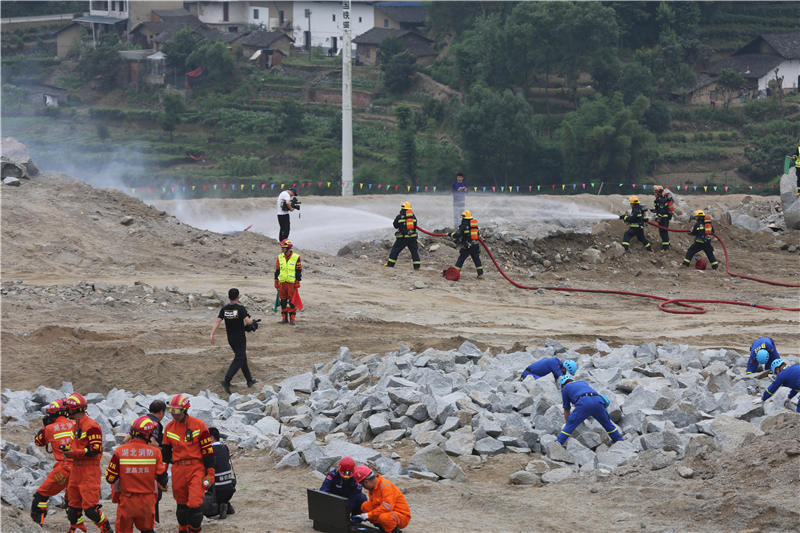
x=170, y=117
x=322, y=162
x=217, y=62
x=657, y=117
x=495, y=130
x=406, y=144
x=730, y=83
x=636, y=79
x=482, y=53
x=397, y=65
x=179, y=48
x=290, y=118
x=102, y=63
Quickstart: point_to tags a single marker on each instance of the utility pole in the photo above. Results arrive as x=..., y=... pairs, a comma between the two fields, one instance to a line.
x=308, y=16
x=347, y=104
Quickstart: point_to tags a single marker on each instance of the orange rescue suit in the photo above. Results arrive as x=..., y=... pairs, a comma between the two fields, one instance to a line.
x=192, y=458
x=83, y=488
x=387, y=506
x=134, y=468
x=59, y=433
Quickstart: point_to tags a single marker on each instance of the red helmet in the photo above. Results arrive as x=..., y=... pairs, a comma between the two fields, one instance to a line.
x=179, y=402
x=56, y=408
x=361, y=473
x=143, y=427
x=286, y=243
x=346, y=467
x=75, y=403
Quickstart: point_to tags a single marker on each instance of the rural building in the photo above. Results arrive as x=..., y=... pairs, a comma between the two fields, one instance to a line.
x=367, y=45
x=767, y=57
x=68, y=36
x=400, y=15
x=166, y=23
x=122, y=16
x=266, y=40
x=235, y=16
x=320, y=23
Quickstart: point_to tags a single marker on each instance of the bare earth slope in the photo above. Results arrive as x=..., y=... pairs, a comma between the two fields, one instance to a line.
x=104, y=305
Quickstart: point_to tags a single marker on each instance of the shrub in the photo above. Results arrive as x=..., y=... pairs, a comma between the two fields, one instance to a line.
x=238, y=165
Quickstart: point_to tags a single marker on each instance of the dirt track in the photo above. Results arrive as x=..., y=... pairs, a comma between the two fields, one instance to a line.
x=56, y=232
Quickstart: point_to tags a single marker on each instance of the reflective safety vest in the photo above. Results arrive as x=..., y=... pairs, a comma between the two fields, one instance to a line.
x=473, y=230
x=410, y=222
x=797, y=161
x=707, y=225
x=287, y=273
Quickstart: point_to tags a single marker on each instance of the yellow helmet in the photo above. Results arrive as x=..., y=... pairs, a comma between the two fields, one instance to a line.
x=699, y=213
x=634, y=199
x=658, y=188
x=405, y=205
x=466, y=214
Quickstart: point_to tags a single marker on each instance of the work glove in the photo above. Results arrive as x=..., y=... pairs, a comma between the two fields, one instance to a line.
x=208, y=481
x=277, y=284
x=364, y=516
x=622, y=217
x=356, y=519
x=793, y=393
x=296, y=284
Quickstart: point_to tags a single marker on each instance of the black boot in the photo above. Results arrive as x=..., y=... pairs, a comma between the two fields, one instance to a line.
x=230, y=508
x=223, y=511
x=226, y=386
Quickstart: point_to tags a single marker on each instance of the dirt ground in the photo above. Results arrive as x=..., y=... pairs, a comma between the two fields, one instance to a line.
x=57, y=232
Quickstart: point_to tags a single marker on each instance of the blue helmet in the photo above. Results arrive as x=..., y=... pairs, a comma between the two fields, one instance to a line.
x=570, y=366
x=762, y=356
x=564, y=379
x=775, y=364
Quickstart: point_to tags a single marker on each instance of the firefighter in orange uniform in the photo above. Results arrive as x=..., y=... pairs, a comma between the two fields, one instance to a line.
x=83, y=488
x=288, y=273
x=56, y=432
x=187, y=445
x=386, y=507
x=134, y=470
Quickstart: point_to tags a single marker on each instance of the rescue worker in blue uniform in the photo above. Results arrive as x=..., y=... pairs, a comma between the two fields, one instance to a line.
x=340, y=481
x=636, y=221
x=785, y=376
x=405, y=236
x=762, y=353
x=551, y=365
x=587, y=403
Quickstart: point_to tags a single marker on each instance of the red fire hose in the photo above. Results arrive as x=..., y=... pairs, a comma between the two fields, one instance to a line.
x=679, y=302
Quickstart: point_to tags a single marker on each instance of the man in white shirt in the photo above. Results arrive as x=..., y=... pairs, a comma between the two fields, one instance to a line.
x=284, y=207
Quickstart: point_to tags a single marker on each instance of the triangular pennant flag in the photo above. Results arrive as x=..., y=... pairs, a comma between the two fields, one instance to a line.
x=360, y=185
x=183, y=188
x=502, y=188
x=395, y=187
x=370, y=186
x=484, y=188
x=715, y=187
x=554, y=186
x=282, y=185
x=705, y=188
x=329, y=184
x=204, y=187
x=434, y=188
x=574, y=185
x=215, y=186
x=319, y=184
x=538, y=187
x=426, y=187
x=517, y=188
x=634, y=185
x=476, y=188
x=592, y=183
x=620, y=185
x=563, y=186
x=133, y=191
x=379, y=185
x=408, y=188
x=530, y=188
x=163, y=189
x=583, y=185
x=417, y=188
x=263, y=185
x=726, y=188
x=149, y=190
x=494, y=188
x=644, y=186
x=271, y=185
x=193, y=186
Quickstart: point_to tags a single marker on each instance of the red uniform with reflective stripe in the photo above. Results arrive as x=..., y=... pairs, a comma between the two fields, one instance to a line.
x=190, y=442
x=83, y=488
x=134, y=467
x=387, y=506
x=59, y=433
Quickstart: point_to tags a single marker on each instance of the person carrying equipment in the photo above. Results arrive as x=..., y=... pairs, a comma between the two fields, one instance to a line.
x=406, y=235
x=551, y=365
x=86, y=450
x=57, y=432
x=340, y=481
x=587, y=403
x=467, y=237
x=785, y=376
x=137, y=471
x=636, y=221
x=663, y=207
x=386, y=507
x=287, y=202
x=288, y=273
x=217, y=499
x=796, y=160
x=187, y=445
x=702, y=232
x=762, y=353
x=236, y=321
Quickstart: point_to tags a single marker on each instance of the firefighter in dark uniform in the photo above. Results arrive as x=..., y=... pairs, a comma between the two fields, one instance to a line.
x=466, y=236
x=217, y=501
x=406, y=235
x=236, y=318
x=663, y=207
x=702, y=232
x=636, y=221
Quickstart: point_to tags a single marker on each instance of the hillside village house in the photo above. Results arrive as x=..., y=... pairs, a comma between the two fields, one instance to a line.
x=765, y=58
x=368, y=43
x=235, y=16
x=121, y=16
x=267, y=42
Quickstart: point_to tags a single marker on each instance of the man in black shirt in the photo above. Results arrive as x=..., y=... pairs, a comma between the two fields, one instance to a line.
x=218, y=498
x=236, y=318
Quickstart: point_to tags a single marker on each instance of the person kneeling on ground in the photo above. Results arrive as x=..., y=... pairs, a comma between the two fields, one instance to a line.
x=217, y=500
x=784, y=377
x=340, y=482
x=587, y=403
x=551, y=365
x=762, y=353
x=386, y=507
